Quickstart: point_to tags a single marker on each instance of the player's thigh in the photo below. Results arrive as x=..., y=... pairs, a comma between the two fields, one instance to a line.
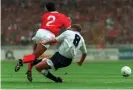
x=60, y=61
x=43, y=34
x=34, y=46
x=40, y=49
x=42, y=65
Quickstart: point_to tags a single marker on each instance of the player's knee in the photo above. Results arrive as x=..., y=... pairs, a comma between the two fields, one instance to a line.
x=38, y=68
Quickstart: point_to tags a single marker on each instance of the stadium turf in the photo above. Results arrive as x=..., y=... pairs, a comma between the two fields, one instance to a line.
x=92, y=75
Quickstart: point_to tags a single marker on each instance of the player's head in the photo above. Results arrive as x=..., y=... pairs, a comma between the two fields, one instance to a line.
x=50, y=6
x=76, y=27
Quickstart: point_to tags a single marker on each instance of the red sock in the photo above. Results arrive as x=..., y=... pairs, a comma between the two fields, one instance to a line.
x=29, y=67
x=29, y=58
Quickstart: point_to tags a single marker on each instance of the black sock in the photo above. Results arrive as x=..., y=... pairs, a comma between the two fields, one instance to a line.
x=36, y=61
x=51, y=76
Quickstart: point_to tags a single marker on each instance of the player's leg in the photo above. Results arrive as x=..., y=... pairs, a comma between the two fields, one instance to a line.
x=55, y=62
x=49, y=75
x=40, y=49
x=29, y=72
x=42, y=34
x=36, y=61
x=43, y=67
x=30, y=64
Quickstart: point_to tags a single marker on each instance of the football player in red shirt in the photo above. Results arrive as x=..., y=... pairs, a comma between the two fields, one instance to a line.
x=52, y=22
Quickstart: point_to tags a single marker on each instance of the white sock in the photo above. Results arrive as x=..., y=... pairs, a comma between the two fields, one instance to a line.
x=44, y=72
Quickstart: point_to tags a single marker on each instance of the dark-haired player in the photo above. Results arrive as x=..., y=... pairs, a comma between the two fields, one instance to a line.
x=52, y=22
x=71, y=42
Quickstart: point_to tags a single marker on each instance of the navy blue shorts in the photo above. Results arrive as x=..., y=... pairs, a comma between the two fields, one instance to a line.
x=60, y=61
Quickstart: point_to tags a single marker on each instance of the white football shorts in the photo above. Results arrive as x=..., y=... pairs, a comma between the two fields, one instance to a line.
x=43, y=34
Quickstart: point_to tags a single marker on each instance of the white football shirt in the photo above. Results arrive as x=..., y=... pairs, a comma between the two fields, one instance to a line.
x=72, y=42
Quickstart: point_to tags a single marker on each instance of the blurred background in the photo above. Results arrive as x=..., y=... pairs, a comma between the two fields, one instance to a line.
x=106, y=23
x=107, y=29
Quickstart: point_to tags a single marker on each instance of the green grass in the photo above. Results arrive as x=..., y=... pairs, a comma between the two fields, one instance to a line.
x=92, y=75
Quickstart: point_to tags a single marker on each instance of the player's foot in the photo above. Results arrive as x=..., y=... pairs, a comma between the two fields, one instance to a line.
x=29, y=75
x=19, y=64
x=125, y=75
x=59, y=80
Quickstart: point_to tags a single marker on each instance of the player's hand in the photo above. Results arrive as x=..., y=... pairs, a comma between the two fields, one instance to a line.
x=79, y=63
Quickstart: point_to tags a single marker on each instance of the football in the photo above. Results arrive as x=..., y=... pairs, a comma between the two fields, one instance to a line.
x=126, y=71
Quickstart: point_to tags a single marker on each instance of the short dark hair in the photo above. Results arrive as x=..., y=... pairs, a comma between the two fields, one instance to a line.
x=78, y=27
x=50, y=6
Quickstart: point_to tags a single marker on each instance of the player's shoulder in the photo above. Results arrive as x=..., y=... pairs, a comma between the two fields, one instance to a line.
x=46, y=14
x=69, y=31
x=82, y=38
x=73, y=32
x=56, y=14
x=66, y=32
x=63, y=15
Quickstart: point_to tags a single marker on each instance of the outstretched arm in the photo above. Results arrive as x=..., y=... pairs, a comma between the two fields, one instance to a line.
x=84, y=54
x=82, y=59
x=48, y=42
x=60, y=38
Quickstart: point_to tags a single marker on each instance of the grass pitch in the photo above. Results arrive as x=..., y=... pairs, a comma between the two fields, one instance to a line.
x=92, y=75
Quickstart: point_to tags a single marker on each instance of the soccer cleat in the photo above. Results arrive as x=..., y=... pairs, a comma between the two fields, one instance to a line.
x=19, y=64
x=59, y=80
x=126, y=75
x=29, y=75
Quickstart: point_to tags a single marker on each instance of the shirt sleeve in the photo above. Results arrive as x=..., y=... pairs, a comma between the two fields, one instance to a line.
x=83, y=48
x=61, y=36
x=67, y=22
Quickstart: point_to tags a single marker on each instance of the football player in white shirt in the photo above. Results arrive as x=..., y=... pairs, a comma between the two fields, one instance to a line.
x=71, y=42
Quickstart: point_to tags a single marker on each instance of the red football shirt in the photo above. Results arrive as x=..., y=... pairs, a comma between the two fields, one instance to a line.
x=53, y=21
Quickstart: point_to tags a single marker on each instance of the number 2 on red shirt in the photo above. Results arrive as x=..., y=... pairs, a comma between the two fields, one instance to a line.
x=50, y=19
